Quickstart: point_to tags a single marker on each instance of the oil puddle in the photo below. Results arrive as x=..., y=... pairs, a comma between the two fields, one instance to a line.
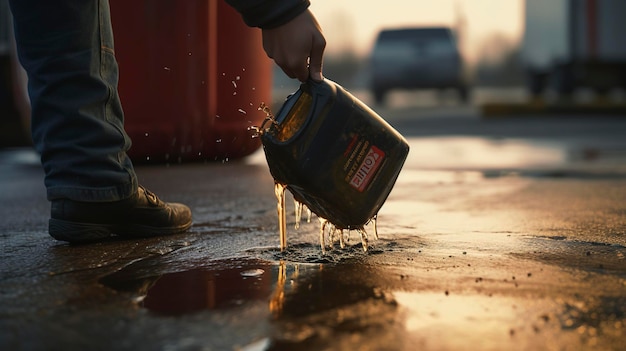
x=358, y=304
x=197, y=290
x=301, y=300
x=218, y=285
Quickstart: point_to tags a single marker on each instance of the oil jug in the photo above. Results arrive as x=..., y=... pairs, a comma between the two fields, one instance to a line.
x=334, y=154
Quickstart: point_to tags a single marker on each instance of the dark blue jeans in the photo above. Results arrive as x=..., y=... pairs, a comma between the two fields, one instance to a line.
x=66, y=48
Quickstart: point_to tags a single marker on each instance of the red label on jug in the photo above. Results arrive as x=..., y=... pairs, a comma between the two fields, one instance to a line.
x=367, y=168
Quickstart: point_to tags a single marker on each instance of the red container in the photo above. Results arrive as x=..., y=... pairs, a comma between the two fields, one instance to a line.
x=192, y=76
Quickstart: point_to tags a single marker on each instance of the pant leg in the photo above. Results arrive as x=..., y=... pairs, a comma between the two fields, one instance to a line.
x=66, y=48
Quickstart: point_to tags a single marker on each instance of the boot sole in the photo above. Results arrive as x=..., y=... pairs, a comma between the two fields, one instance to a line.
x=145, y=231
x=77, y=232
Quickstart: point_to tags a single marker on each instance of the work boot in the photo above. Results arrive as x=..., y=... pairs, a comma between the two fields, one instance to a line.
x=141, y=215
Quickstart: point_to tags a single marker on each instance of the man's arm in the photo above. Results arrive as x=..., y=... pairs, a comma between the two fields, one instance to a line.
x=291, y=35
x=268, y=14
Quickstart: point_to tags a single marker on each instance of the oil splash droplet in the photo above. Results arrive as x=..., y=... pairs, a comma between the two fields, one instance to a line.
x=279, y=191
x=269, y=117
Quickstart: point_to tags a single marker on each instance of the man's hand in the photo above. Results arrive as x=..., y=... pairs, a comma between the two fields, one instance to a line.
x=297, y=47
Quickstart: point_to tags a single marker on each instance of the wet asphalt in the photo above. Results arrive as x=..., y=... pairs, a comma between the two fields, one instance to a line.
x=500, y=234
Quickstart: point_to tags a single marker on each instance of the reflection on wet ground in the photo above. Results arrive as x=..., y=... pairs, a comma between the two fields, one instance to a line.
x=481, y=153
x=218, y=285
x=517, y=156
x=202, y=289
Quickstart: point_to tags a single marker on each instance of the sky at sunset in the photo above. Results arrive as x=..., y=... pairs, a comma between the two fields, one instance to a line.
x=353, y=24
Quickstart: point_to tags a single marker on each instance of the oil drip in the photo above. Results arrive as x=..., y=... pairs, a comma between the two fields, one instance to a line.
x=327, y=229
x=279, y=191
x=323, y=224
x=299, y=208
x=298, y=205
x=364, y=240
x=375, y=224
